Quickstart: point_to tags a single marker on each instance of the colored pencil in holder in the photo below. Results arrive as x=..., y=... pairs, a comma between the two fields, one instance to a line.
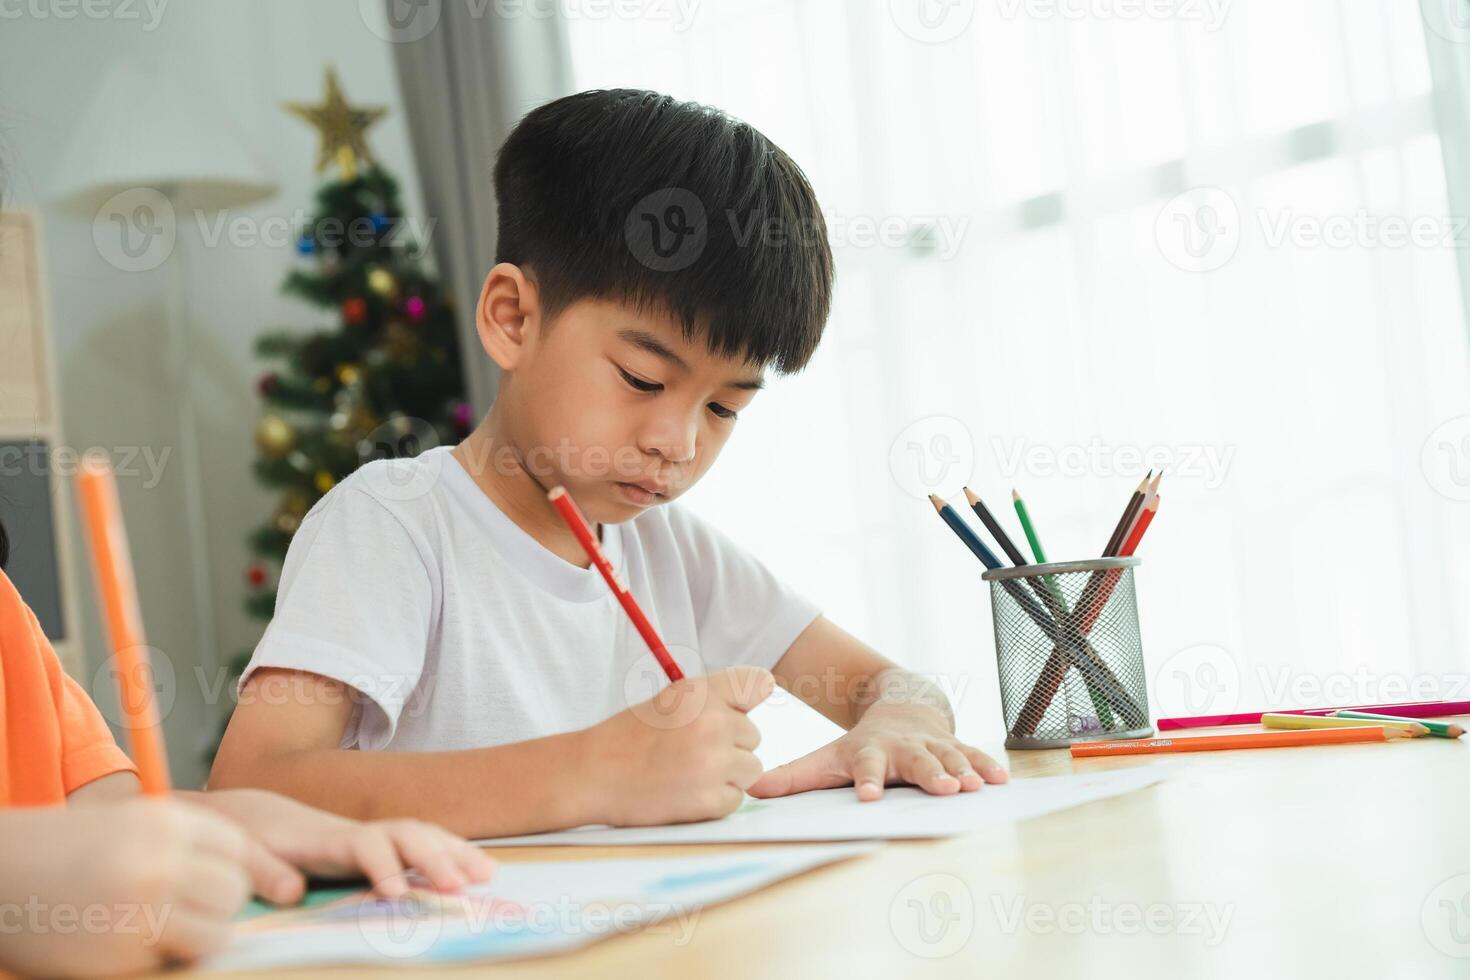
x=1091, y=666
x=1094, y=598
x=1045, y=590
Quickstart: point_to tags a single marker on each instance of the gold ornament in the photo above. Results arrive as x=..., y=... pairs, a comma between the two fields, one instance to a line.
x=343, y=128
x=287, y=523
x=399, y=342
x=274, y=436
x=381, y=281
x=348, y=374
x=324, y=481
x=296, y=502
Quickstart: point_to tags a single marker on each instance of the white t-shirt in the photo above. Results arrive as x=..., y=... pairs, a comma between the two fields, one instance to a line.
x=407, y=583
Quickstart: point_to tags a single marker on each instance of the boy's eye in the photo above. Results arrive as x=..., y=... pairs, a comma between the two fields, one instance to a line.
x=638, y=384
x=722, y=411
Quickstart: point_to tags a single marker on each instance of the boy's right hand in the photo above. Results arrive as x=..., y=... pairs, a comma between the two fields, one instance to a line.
x=686, y=754
x=121, y=887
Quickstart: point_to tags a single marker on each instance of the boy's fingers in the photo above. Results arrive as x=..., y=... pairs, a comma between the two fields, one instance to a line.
x=957, y=764
x=747, y=735
x=421, y=847
x=271, y=878
x=990, y=770
x=473, y=863
x=817, y=770
x=745, y=770
x=211, y=833
x=188, y=935
x=920, y=768
x=869, y=772
x=742, y=688
x=214, y=887
x=377, y=859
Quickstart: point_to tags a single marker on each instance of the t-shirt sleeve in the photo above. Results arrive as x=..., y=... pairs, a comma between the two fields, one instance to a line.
x=743, y=613
x=355, y=604
x=88, y=750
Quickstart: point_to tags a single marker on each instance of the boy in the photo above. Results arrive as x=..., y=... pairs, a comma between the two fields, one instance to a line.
x=654, y=258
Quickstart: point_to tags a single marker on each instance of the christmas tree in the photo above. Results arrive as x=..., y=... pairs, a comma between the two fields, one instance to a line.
x=383, y=380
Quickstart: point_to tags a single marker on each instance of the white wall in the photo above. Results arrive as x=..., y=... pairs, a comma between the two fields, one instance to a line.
x=109, y=327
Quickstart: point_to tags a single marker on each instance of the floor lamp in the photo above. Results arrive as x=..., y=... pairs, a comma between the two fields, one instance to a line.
x=143, y=140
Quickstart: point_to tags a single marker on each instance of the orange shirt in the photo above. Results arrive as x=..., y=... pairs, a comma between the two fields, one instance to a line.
x=52, y=737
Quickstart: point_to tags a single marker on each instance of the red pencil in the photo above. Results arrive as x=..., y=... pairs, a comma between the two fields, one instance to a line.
x=1093, y=601
x=564, y=505
x=1145, y=518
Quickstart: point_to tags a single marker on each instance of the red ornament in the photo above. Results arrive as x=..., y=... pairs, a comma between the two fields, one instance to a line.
x=255, y=575
x=268, y=383
x=354, y=308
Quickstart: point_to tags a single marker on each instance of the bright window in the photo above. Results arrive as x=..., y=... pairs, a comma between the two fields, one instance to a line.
x=1041, y=310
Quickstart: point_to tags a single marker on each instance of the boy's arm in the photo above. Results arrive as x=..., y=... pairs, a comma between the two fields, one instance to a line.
x=284, y=735
x=687, y=754
x=900, y=725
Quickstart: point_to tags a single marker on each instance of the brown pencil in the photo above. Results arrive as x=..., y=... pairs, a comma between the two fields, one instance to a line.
x=1135, y=504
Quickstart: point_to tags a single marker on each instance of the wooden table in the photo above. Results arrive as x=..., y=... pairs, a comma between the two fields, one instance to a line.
x=1351, y=859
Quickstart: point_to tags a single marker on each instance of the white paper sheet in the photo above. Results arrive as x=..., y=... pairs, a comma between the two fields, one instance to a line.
x=529, y=909
x=903, y=812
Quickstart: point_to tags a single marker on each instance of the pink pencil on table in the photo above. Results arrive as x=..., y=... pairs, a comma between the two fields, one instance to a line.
x=1413, y=709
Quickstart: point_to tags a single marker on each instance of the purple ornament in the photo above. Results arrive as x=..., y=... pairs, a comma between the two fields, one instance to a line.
x=462, y=416
x=414, y=307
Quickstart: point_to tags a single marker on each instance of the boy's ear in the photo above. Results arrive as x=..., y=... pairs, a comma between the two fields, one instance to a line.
x=508, y=314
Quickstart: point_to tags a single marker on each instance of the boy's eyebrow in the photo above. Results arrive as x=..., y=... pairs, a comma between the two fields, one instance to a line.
x=646, y=341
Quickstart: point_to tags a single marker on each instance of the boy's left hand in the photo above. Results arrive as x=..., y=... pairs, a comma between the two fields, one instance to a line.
x=891, y=743
x=330, y=846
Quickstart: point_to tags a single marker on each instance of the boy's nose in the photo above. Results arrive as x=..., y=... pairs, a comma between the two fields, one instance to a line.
x=673, y=439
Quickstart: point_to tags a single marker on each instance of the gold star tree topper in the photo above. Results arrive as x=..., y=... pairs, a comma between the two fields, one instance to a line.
x=343, y=128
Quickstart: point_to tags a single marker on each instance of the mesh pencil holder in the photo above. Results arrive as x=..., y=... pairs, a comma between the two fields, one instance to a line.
x=1069, y=653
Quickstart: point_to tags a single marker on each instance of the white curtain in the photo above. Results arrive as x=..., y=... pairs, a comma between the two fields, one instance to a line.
x=1074, y=243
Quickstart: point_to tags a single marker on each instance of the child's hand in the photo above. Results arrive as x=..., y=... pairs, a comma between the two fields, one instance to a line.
x=891, y=743
x=118, y=887
x=686, y=754
x=330, y=846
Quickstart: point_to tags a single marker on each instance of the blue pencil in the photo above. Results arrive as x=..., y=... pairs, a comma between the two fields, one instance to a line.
x=966, y=534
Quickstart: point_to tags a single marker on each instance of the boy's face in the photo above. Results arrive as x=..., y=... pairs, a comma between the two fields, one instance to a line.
x=618, y=407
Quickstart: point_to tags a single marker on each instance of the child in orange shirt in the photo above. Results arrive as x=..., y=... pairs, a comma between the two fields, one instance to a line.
x=97, y=880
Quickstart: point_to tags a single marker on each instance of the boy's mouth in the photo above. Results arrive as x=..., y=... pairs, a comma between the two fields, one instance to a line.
x=643, y=494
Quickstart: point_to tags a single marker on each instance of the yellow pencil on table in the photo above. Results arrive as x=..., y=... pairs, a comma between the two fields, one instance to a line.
x=1409, y=727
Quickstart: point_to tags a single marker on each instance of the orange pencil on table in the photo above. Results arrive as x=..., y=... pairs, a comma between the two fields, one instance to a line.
x=1248, y=740
x=108, y=544
x=567, y=508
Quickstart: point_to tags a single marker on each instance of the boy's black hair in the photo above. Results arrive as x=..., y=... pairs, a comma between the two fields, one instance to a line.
x=634, y=196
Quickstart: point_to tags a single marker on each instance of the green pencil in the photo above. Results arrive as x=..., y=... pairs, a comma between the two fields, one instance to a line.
x=1026, y=526
x=1050, y=583
x=1440, y=729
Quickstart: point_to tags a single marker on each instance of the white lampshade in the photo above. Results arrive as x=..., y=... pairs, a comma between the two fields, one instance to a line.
x=145, y=128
